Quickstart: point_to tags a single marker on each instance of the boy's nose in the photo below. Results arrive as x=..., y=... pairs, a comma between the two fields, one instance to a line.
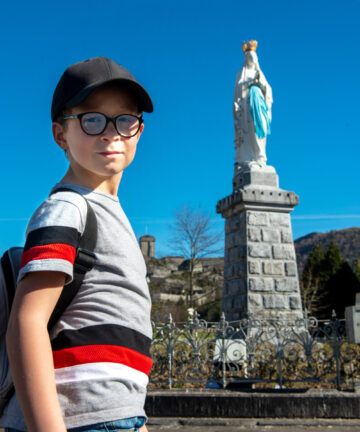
x=110, y=130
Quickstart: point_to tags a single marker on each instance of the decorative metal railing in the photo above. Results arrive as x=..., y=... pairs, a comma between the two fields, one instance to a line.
x=254, y=353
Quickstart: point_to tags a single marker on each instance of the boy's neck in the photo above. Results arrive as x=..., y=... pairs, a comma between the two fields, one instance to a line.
x=106, y=185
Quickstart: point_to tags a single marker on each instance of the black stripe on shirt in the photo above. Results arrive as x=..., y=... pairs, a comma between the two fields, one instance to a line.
x=103, y=334
x=53, y=234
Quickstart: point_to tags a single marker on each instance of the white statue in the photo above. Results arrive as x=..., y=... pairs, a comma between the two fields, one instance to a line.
x=252, y=110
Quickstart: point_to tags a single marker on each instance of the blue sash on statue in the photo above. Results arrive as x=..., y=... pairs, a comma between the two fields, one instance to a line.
x=258, y=106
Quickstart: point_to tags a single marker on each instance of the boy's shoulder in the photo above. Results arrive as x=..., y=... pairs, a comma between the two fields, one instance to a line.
x=61, y=208
x=54, y=233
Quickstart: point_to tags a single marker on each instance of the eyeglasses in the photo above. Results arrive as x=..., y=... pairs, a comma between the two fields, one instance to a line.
x=94, y=123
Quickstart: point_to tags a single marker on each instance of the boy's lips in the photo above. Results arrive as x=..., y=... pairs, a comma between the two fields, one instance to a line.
x=110, y=153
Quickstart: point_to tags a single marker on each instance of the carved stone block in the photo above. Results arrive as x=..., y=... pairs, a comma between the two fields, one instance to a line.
x=227, y=302
x=294, y=302
x=255, y=300
x=286, y=284
x=254, y=234
x=240, y=268
x=286, y=236
x=290, y=268
x=274, y=302
x=257, y=218
x=279, y=219
x=285, y=252
x=254, y=267
x=261, y=284
x=260, y=250
x=270, y=235
x=240, y=302
x=273, y=268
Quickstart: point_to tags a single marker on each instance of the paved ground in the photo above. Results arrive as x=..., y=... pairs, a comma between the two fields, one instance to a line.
x=253, y=425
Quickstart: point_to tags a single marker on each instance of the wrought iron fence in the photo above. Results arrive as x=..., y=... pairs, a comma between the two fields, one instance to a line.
x=254, y=353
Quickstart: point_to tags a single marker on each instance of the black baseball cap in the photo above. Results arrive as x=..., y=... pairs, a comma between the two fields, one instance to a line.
x=80, y=79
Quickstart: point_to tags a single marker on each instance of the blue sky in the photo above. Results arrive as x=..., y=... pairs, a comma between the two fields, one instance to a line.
x=186, y=53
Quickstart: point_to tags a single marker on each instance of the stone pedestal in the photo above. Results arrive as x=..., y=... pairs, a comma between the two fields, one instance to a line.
x=352, y=320
x=260, y=271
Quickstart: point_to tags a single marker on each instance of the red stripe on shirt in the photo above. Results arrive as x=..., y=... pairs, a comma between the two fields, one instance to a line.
x=50, y=251
x=102, y=353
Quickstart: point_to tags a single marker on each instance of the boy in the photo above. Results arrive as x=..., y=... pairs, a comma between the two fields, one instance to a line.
x=91, y=373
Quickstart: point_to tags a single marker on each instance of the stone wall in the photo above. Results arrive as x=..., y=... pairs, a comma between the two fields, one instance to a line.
x=235, y=404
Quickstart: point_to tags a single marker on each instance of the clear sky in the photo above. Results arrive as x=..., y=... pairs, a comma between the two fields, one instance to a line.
x=186, y=53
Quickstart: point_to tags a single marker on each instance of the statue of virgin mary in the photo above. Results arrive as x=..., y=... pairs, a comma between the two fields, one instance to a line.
x=251, y=110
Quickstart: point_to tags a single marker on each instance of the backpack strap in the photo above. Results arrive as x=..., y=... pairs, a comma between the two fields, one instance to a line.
x=10, y=263
x=84, y=261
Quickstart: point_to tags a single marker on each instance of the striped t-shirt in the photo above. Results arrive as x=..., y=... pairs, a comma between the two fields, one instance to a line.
x=101, y=343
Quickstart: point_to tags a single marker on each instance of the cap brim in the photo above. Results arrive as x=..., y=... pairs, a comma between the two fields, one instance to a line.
x=142, y=96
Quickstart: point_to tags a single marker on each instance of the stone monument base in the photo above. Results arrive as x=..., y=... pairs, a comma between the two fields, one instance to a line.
x=260, y=271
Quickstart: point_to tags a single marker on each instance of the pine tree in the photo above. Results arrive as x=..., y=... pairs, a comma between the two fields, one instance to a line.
x=331, y=264
x=341, y=287
x=312, y=280
x=332, y=261
x=314, y=262
x=328, y=283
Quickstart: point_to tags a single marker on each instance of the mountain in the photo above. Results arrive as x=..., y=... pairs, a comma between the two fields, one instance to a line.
x=347, y=240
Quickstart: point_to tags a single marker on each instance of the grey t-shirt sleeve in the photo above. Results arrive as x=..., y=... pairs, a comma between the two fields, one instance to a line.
x=53, y=235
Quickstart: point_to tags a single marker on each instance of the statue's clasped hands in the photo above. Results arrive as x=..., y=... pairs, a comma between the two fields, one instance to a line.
x=257, y=78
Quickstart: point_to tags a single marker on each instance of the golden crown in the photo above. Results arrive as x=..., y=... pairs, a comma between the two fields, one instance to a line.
x=250, y=45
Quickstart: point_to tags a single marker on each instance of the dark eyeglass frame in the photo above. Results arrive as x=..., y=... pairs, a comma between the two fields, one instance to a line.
x=108, y=119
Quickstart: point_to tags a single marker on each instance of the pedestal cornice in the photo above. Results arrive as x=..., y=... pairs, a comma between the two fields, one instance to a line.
x=258, y=198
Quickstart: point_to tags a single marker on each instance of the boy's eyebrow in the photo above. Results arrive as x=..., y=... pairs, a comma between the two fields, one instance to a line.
x=121, y=112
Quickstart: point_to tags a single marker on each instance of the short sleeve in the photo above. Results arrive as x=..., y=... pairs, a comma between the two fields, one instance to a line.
x=53, y=235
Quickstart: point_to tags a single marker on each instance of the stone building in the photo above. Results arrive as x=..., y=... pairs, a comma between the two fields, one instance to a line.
x=147, y=246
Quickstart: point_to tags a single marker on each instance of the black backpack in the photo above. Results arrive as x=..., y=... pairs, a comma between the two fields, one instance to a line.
x=9, y=269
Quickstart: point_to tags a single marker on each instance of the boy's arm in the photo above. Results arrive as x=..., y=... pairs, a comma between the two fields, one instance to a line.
x=30, y=353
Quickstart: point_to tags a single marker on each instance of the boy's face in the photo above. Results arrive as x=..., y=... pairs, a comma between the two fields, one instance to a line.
x=99, y=159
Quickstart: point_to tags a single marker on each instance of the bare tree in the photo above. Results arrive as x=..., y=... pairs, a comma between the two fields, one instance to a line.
x=194, y=236
x=311, y=295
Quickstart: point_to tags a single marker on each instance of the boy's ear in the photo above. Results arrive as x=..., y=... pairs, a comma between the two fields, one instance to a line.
x=59, y=135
